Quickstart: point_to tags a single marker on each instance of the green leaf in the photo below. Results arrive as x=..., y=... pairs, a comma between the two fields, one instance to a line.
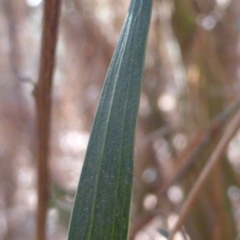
x=102, y=204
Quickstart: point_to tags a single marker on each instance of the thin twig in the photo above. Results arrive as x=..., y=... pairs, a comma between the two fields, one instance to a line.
x=216, y=124
x=43, y=102
x=214, y=158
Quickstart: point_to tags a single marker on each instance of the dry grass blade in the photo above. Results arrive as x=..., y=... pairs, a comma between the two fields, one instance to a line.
x=191, y=158
x=214, y=158
x=214, y=127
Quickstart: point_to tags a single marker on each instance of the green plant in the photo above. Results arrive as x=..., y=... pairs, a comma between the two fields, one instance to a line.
x=102, y=204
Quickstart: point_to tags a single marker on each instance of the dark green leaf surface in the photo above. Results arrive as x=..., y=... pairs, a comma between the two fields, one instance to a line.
x=102, y=204
x=164, y=233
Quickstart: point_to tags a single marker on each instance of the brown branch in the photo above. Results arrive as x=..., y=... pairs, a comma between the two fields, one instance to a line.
x=43, y=102
x=215, y=126
x=214, y=158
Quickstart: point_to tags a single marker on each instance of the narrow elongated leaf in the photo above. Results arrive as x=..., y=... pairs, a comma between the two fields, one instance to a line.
x=102, y=204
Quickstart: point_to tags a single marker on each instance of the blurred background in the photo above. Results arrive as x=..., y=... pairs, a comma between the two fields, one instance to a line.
x=192, y=74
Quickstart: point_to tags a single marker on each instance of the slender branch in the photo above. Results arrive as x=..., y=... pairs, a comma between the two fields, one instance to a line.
x=43, y=102
x=214, y=127
x=214, y=158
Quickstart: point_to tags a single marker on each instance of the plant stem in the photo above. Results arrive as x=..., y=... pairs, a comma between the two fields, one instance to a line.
x=214, y=158
x=44, y=102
